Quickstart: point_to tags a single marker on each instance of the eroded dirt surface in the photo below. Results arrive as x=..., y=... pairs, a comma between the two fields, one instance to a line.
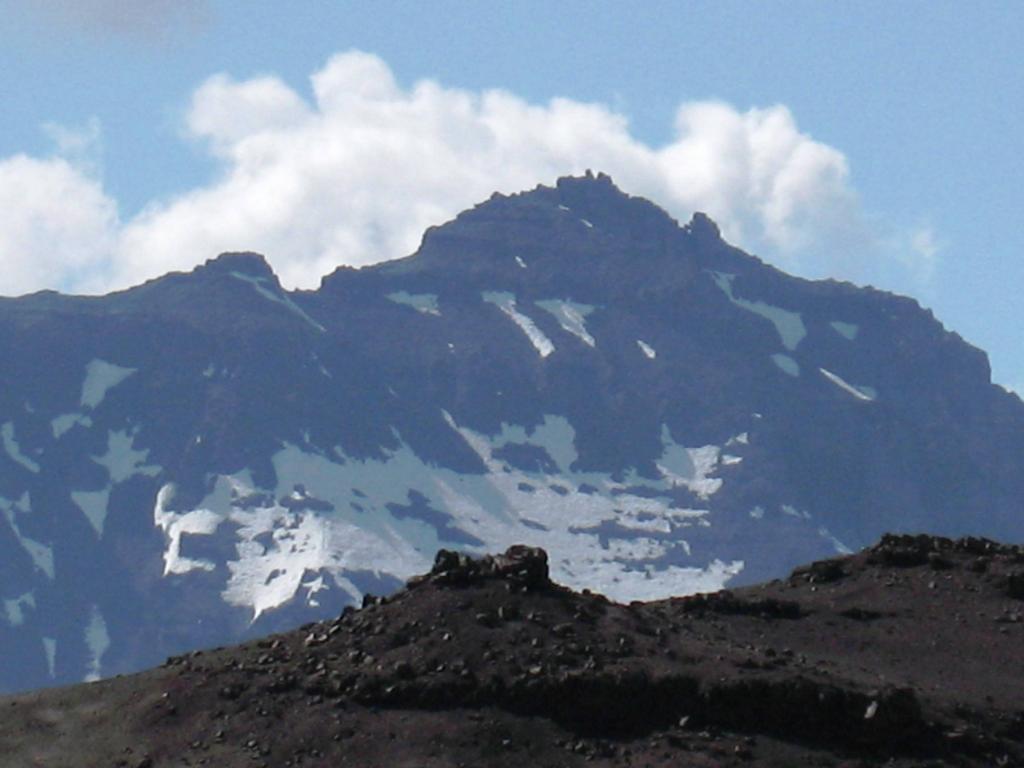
x=907, y=654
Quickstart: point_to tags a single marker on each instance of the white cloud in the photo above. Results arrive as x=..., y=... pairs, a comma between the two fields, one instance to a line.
x=357, y=175
x=81, y=145
x=75, y=140
x=925, y=247
x=57, y=227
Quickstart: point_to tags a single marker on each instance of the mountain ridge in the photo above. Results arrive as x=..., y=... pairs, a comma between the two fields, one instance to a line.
x=208, y=457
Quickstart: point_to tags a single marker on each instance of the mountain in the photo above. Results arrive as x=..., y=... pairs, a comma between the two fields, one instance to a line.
x=897, y=656
x=208, y=458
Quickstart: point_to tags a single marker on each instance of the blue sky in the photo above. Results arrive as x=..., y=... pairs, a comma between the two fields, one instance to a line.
x=876, y=142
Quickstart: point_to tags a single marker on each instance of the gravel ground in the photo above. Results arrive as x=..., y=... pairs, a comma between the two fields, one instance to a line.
x=907, y=654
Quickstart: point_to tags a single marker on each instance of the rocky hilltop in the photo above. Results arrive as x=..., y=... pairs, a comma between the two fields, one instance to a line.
x=207, y=457
x=906, y=654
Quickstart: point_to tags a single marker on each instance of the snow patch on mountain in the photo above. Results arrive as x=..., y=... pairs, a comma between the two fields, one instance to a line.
x=64, y=423
x=787, y=364
x=41, y=555
x=867, y=394
x=94, y=506
x=331, y=517
x=312, y=589
x=690, y=467
x=840, y=548
x=97, y=640
x=50, y=651
x=260, y=286
x=122, y=461
x=277, y=546
x=421, y=302
x=800, y=514
x=789, y=325
x=200, y=521
x=100, y=378
x=846, y=330
x=14, y=450
x=571, y=316
x=15, y=609
x=506, y=302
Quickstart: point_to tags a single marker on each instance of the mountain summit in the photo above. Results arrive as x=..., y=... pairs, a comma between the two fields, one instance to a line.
x=209, y=457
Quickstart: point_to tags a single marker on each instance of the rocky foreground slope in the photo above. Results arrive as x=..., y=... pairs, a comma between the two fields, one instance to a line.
x=906, y=654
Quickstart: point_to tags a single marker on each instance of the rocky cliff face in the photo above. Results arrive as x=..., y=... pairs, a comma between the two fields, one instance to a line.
x=208, y=457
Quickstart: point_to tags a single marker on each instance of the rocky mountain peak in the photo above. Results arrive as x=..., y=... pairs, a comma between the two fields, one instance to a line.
x=582, y=235
x=703, y=227
x=244, y=262
x=207, y=457
x=228, y=293
x=520, y=567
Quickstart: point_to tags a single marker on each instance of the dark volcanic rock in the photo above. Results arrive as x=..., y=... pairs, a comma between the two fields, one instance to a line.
x=487, y=662
x=520, y=566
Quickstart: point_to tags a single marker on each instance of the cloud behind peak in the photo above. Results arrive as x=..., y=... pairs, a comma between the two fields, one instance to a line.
x=357, y=174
